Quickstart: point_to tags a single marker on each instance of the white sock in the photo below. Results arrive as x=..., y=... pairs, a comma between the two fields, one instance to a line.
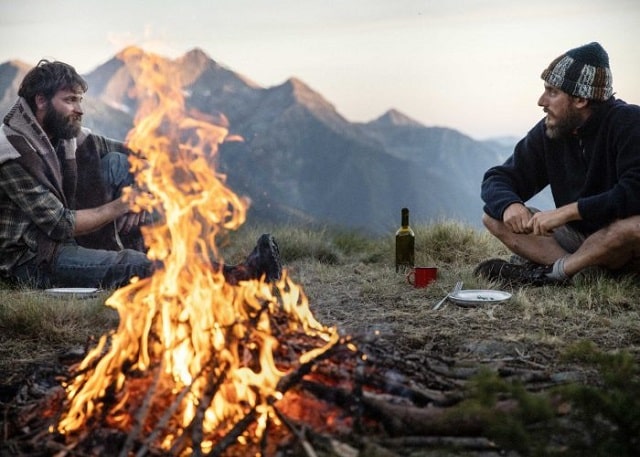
x=558, y=270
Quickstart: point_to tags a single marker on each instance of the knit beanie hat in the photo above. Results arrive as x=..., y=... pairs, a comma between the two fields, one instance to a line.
x=582, y=72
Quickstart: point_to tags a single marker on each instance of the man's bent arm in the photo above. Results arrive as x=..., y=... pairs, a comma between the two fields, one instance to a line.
x=91, y=219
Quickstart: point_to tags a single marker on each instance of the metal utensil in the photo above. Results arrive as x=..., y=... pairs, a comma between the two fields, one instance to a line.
x=456, y=288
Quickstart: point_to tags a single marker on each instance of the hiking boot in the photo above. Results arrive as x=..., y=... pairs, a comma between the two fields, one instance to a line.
x=264, y=260
x=503, y=272
x=519, y=260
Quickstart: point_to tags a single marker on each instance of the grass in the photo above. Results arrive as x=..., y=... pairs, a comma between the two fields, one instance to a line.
x=351, y=283
x=35, y=327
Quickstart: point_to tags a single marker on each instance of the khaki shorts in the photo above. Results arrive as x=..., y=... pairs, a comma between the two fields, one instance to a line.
x=568, y=238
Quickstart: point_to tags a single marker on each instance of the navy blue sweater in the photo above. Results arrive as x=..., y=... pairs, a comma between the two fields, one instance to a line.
x=599, y=168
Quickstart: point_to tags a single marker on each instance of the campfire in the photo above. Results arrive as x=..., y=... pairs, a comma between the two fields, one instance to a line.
x=192, y=356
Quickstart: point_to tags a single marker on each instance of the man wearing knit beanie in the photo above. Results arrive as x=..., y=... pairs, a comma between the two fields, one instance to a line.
x=587, y=149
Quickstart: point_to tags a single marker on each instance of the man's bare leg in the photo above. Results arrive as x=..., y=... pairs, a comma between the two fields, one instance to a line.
x=612, y=247
x=543, y=250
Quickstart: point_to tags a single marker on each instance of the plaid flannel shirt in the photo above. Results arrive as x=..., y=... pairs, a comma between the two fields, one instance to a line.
x=27, y=208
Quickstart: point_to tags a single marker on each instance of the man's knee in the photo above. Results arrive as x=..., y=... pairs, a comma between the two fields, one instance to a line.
x=115, y=172
x=494, y=226
x=624, y=232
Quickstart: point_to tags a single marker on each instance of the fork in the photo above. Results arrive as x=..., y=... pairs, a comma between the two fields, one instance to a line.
x=456, y=288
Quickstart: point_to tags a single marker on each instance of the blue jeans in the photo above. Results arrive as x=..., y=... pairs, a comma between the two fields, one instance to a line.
x=76, y=266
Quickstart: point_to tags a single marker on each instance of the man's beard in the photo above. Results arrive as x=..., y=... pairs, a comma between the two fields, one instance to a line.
x=564, y=126
x=60, y=126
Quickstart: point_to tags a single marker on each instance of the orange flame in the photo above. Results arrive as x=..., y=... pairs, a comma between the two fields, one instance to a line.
x=185, y=325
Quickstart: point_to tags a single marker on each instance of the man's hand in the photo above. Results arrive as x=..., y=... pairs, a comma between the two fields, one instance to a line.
x=129, y=221
x=517, y=217
x=545, y=222
x=91, y=219
x=136, y=216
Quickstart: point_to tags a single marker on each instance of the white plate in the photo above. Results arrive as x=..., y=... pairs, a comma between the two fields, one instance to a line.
x=73, y=291
x=474, y=297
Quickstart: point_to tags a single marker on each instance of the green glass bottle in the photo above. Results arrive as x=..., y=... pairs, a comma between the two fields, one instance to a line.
x=405, y=243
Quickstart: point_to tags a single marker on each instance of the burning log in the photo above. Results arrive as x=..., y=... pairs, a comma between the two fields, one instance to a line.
x=232, y=435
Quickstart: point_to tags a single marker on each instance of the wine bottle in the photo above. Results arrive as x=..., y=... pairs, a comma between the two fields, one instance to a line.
x=405, y=243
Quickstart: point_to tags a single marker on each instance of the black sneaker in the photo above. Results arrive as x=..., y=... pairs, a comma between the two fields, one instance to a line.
x=501, y=271
x=265, y=259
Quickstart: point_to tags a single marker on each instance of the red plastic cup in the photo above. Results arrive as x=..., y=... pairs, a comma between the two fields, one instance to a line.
x=420, y=277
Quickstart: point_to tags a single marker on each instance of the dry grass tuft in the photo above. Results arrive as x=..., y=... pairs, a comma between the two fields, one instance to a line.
x=35, y=327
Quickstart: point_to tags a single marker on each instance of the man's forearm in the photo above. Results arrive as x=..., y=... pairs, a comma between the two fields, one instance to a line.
x=544, y=222
x=91, y=219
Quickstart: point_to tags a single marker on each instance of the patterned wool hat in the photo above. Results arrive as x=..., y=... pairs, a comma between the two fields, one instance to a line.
x=582, y=72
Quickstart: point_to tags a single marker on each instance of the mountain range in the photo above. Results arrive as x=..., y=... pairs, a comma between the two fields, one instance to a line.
x=301, y=161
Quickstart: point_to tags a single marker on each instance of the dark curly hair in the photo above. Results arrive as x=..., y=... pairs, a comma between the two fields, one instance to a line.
x=47, y=78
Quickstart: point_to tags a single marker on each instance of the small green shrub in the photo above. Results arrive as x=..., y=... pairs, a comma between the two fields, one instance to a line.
x=610, y=413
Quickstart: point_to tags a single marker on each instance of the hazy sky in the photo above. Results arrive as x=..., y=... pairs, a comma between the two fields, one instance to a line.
x=470, y=65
